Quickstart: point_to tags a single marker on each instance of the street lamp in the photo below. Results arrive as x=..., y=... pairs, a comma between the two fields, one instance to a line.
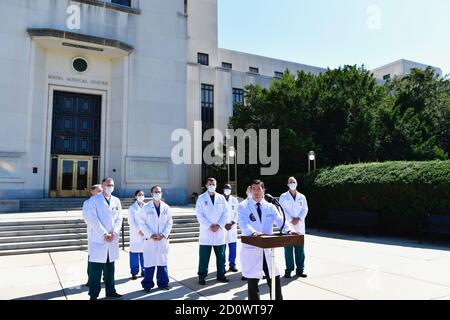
x=311, y=158
x=232, y=154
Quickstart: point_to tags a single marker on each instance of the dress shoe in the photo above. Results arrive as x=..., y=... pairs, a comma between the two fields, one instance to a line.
x=233, y=269
x=287, y=275
x=224, y=280
x=301, y=275
x=114, y=296
x=202, y=282
x=134, y=277
x=167, y=288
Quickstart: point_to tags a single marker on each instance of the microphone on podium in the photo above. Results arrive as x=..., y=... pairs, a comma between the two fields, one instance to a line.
x=271, y=199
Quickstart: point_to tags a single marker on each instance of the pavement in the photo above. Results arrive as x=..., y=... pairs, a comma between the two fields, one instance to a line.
x=339, y=267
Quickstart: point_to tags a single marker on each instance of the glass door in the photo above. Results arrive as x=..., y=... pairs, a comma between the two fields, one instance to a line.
x=74, y=176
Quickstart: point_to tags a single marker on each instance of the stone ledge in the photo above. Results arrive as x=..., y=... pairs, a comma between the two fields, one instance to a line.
x=44, y=32
x=110, y=5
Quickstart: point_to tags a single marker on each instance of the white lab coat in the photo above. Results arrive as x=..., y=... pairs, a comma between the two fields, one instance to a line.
x=136, y=240
x=232, y=216
x=101, y=219
x=249, y=222
x=209, y=214
x=156, y=252
x=297, y=208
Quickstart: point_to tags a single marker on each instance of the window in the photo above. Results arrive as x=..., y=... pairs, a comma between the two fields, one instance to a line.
x=207, y=107
x=80, y=65
x=203, y=59
x=254, y=70
x=227, y=65
x=278, y=75
x=238, y=98
x=387, y=77
x=185, y=6
x=126, y=3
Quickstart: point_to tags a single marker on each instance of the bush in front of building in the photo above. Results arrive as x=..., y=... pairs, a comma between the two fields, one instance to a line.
x=402, y=192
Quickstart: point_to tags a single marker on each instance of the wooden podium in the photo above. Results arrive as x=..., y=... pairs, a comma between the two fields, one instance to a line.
x=272, y=242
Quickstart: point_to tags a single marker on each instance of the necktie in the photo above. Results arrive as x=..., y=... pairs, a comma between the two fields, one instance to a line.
x=258, y=208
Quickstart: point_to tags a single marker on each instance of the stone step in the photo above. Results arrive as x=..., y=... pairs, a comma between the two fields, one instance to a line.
x=62, y=234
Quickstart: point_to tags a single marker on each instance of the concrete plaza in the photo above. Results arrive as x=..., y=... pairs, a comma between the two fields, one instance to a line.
x=339, y=267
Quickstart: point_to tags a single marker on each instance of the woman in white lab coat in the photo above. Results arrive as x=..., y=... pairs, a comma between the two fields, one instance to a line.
x=156, y=225
x=136, y=236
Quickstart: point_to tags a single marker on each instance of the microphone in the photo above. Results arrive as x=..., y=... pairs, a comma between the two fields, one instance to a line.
x=271, y=199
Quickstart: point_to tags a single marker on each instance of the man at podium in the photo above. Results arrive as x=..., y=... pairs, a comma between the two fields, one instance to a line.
x=256, y=218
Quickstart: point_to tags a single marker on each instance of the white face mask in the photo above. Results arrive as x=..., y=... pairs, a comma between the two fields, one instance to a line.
x=109, y=190
x=140, y=199
x=212, y=188
x=293, y=186
x=157, y=196
x=227, y=192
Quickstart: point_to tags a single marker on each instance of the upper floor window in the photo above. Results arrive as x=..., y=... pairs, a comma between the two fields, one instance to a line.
x=254, y=70
x=203, y=59
x=387, y=77
x=238, y=98
x=227, y=65
x=278, y=74
x=126, y=3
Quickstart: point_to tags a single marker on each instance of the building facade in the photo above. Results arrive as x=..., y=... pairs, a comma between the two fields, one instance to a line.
x=95, y=88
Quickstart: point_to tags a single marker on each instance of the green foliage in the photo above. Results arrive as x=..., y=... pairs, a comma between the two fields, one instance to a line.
x=346, y=117
x=403, y=192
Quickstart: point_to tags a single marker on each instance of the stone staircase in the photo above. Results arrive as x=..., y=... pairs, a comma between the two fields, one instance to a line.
x=60, y=204
x=27, y=237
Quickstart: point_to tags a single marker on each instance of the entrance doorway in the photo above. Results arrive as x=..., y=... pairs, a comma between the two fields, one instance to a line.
x=76, y=133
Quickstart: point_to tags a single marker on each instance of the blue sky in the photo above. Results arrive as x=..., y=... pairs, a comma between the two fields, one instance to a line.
x=329, y=33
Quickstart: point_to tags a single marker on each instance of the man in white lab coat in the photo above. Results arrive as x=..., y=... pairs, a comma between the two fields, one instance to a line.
x=95, y=190
x=296, y=209
x=231, y=233
x=136, y=236
x=156, y=224
x=103, y=216
x=256, y=218
x=211, y=211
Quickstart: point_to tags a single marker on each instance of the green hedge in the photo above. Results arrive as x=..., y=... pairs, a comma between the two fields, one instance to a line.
x=402, y=192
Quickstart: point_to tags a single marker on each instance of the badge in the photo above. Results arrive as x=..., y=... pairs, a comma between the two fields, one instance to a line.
x=232, y=208
x=252, y=217
x=206, y=203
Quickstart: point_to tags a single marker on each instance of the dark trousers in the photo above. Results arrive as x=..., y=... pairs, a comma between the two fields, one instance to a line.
x=95, y=277
x=299, y=258
x=253, y=288
x=205, y=254
x=136, y=260
x=232, y=255
x=162, y=277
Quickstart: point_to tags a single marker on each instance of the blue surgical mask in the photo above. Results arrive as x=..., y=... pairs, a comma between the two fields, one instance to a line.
x=109, y=190
x=157, y=196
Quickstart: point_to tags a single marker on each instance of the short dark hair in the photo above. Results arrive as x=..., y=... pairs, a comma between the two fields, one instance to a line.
x=137, y=192
x=227, y=186
x=210, y=180
x=154, y=187
x=258, y=182
x=107, y=179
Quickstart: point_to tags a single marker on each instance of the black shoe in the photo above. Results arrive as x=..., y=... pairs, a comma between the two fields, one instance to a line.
x=202, y=282
x=93, y=299
x=223, y=279
x=147, y=290
x=244, y=278
x=233, y=269
x=134, y=277
x=167, y=288
x=86, y=285
x=301, y=275
x=114, y=296
x=287, y=275
x=264, y=277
